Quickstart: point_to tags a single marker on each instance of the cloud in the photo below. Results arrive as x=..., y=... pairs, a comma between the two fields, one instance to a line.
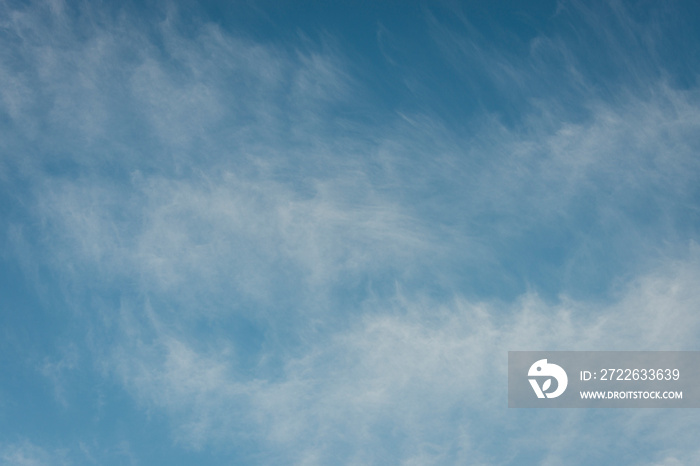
x=268, y=269
x=56, y=371
x=422, y=379
x=26, y=453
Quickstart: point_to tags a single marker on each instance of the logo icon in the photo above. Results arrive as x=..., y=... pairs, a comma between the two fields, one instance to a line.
x=542, y=368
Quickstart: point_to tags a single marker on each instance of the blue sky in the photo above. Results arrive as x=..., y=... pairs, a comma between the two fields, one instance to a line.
x=271, y=233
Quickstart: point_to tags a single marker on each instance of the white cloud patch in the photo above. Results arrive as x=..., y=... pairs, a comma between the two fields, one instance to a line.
x=56, y=370
x=421, y=379
x=26, y=453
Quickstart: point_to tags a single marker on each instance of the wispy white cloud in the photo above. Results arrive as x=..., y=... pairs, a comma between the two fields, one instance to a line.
x=26, y=453
x=55, y=371
x=197, y=181
x=392, y=383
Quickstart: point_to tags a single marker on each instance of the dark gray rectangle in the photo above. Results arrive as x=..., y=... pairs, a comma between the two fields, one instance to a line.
x=604, y=379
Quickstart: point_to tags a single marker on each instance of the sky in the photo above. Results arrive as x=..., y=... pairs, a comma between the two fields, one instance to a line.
x=308, y=233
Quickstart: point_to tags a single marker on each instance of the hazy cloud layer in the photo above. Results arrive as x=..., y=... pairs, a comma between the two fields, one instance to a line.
x=253, y=252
